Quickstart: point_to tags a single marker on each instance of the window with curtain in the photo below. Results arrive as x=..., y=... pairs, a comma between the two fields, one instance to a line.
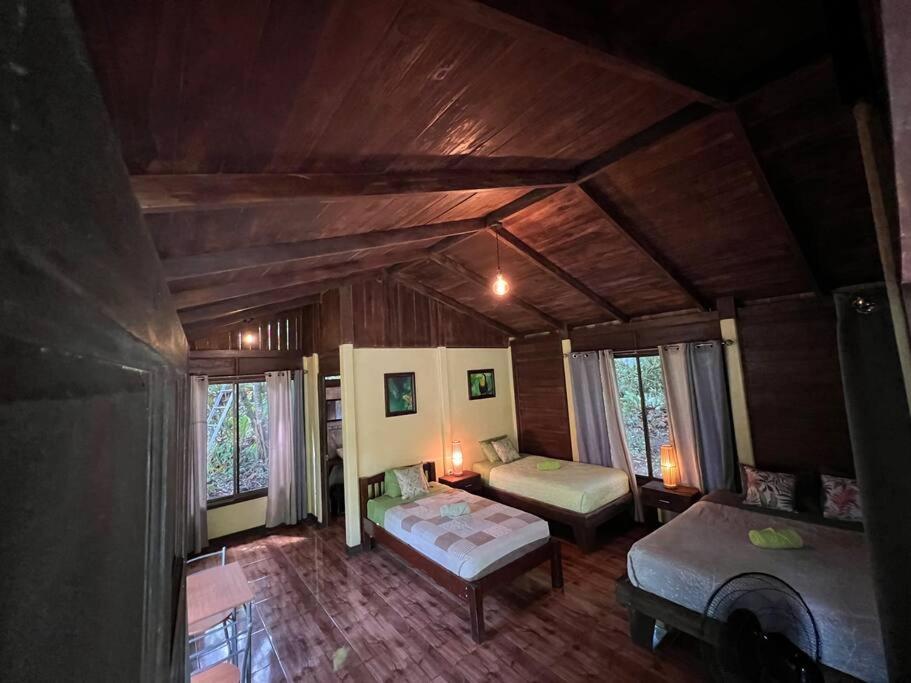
x=640, y=381
x=238, y=441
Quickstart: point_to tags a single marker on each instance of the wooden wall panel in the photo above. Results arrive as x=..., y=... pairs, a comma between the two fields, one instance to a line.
x=540, y=387
x=793, y=386
x=390, y=315
x=330, y=322
x=233, y=363
x=647, y=334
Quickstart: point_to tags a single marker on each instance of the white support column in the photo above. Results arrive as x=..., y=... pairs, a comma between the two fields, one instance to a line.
x=445, y=408
x=349, y=438
x=737, y=391
x=312, y=437
x=512, y=396
x=570, y=401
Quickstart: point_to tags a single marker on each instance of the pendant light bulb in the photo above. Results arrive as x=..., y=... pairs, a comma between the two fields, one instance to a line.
x=500, y=285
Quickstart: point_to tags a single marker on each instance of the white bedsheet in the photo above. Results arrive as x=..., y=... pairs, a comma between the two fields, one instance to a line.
x=685, y=560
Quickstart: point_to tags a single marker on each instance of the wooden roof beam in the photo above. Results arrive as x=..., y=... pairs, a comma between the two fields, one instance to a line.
x=640, y=244
x=454, y=266
x=204, y=192
x=556, y=271
x=453, y=304
x=237, y=259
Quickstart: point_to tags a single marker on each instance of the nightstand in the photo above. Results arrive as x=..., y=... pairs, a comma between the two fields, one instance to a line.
x=655, y=497
x=467, y=481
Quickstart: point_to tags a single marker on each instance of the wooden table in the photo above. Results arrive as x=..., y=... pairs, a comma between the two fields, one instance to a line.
x=214, y=591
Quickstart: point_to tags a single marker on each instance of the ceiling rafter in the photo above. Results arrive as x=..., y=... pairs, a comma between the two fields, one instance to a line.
x=411, y=283
x=465, y=273
x=640, y=244
x=239, y=259
x=205, y=192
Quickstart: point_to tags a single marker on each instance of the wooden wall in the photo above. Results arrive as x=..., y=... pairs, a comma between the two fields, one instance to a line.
x=647, y=334
x=286, y=331
x=793, y=386
x=93, y=404
x=390, y=315
x=540, y=387
x=223, y=363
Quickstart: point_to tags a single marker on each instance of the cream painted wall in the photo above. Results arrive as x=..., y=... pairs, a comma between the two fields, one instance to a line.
x=230, y=519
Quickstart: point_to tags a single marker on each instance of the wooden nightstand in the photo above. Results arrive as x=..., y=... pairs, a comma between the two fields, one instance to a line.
x=655, y=497
x=467, y=481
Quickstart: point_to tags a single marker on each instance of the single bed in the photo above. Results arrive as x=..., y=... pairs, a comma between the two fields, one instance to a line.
x=467, y=555
x=580, y=495
x=673, y=572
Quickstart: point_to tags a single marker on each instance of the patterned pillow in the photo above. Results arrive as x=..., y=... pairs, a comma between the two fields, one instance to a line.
x=841, y=499
x=773, y=490
x=412, y=481
x=506, y=451
x=487, y=448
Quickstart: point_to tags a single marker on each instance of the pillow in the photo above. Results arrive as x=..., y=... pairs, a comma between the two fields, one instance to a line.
x=412, y=481
x=487, y=448
x=506, y=451
x=392, y=485
x=773, y=490
x=841, y=499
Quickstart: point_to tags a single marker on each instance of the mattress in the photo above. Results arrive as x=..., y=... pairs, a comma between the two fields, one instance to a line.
x=579, y=487
x=685, y=560
x=470, y=545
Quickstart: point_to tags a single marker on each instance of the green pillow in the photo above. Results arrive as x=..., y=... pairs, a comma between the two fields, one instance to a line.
x=392, y=484
x=487, y=448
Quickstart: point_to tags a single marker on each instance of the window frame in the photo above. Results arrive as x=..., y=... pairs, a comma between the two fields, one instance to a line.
x=644, y=353
x=237, y=496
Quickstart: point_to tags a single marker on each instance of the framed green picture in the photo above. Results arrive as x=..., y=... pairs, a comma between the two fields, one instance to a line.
x=400, y=395
x=481, y=384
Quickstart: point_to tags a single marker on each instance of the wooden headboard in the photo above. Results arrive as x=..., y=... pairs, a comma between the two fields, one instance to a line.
x=375, y=486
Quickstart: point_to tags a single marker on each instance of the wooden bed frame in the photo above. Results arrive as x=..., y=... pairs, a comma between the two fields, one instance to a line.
x=472, y=592
x=584, y=525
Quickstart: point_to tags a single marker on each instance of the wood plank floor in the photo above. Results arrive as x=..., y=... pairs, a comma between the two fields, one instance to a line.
x=324, y=616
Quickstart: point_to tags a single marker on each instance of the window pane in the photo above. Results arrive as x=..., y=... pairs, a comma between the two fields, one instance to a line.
x=631, y=407
x=253, y=458
x=655, y=408
x=220, y=423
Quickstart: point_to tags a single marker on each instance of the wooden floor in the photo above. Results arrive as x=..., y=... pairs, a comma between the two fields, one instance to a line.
x=322, y=615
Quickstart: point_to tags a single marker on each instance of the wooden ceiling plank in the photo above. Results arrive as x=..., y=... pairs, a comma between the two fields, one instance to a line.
x=682, y=118
x=549, y=266
x=453, y=304
x=205, y=192
x=637, y=241
x=520, y=204
x=765, y=188
x=238, y=259
x=205, y=327
x=581, y=36
x=454, y=266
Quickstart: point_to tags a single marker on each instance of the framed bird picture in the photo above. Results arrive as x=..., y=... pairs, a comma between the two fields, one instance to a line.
x=400, y=395
x=481, y=384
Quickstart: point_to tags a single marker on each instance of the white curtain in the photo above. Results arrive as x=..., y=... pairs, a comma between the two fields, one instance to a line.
x=681, y=412
x=620, y=455
x=281, y=502
x=197, y=453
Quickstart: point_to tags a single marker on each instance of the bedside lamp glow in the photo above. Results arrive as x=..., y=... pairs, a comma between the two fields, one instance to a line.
x=457, y=457
x=670, y=472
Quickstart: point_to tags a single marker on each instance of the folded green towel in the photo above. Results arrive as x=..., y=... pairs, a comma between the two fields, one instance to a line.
x=455, y=509
x=546, y=465
x=776, y=538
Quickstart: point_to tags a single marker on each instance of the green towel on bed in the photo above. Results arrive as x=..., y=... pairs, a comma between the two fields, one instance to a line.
x=778, y=539
x=455, y=509
x=546, y=465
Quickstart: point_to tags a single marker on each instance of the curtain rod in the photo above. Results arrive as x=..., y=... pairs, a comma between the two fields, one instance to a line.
x=653, y=349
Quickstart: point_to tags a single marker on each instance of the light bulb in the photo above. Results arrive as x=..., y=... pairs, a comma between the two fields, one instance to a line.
x=249, y=338
x=500, y=285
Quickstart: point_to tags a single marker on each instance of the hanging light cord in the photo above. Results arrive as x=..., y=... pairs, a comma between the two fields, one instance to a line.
x=497, y=235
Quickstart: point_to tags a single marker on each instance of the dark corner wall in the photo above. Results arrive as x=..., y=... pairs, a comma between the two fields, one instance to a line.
x=92, y=402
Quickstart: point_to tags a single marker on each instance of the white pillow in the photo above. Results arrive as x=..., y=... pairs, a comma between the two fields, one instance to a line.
x=412, y=481
x=506, y=451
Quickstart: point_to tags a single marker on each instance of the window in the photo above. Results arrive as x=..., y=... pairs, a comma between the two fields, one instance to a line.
x=238, y=441
x=640, y=381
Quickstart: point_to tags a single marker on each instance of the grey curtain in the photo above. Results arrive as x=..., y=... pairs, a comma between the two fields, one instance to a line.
x=299, y=447
x=880, y=427
x=588, y=397
x=714, y=432
x=197, y=461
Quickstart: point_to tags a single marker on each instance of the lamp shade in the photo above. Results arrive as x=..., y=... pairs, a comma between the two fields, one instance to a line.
x=670, y=471
x=457, y=457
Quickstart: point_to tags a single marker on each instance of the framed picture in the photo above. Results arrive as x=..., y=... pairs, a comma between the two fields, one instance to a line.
x=481, y=384
x=400, y=396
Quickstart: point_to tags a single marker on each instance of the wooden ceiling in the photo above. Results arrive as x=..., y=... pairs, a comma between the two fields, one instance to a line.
x=643, y=157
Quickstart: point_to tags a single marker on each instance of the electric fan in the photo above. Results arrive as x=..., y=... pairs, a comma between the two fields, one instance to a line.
x=763, y=631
